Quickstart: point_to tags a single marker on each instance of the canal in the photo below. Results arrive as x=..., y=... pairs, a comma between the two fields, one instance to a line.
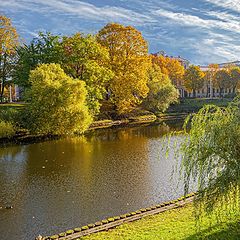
x=61, y=184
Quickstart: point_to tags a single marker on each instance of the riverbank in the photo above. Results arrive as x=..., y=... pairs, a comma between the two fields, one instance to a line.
x=169, y=220
x=178, y=223
x=176, y=112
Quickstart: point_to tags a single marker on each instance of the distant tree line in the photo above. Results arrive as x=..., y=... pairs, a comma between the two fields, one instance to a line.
x=110, y=70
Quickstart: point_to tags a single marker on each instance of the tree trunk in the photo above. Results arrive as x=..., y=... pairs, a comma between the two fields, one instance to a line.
x=3, y=76
x=220, y=92
x=194, y=93
x=2, y=90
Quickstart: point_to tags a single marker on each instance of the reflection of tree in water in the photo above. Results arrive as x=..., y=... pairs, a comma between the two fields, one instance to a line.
x=11, y=153
x=118, y=134
x=98, y=176
x=74, y=181
x=12, y=171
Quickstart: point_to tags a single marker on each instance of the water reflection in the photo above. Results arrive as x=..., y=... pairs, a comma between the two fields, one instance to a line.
x=69, y=182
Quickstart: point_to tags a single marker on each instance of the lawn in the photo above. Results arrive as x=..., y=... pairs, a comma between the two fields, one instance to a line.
x=172, y=225
x=5, y=106
x=194, y=105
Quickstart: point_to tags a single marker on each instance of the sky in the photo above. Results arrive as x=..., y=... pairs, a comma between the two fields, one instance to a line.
x=203, y=31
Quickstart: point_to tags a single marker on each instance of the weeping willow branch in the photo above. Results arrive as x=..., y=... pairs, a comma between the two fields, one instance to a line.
x=211, y=158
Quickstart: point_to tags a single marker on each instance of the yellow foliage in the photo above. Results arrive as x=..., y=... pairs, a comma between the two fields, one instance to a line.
x=129, y=60
x=171, y=67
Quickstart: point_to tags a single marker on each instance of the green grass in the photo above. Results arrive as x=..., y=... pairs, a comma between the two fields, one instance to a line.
x=6, y=106
x=172, y=225
x=194, y=105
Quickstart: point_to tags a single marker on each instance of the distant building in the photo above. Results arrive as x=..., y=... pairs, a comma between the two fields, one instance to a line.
x=11, y=92
x=208, y=90
x=184, y=62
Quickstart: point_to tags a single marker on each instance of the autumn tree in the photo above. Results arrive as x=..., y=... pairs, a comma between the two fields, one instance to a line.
x=235, y=78
x=129, y=60
x=57, y=102
x=161, y=91
x=193, y=79
x=42, y=49
x=210, y=76
x=82, y=57
x=171, y=67
x=8, y=43
x=222, y=80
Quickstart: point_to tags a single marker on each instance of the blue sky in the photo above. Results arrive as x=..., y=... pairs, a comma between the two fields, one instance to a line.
x=203, y=31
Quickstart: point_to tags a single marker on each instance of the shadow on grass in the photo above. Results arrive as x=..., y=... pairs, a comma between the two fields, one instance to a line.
x=230, y=231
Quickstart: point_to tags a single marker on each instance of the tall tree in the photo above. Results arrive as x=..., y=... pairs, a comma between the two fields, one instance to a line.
x=193, y=79
x=129, y=61
x=161, y=91
x=222, y=80
x=82, y=57
x=42, y=49
x=8, y=44
x=210, y=76
x=171, y=67
x=235, y=78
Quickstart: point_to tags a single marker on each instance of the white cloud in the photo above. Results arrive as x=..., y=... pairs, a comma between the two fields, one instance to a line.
x=79, y=9
x=226, y=4
x=207, y=34
x=231, y=24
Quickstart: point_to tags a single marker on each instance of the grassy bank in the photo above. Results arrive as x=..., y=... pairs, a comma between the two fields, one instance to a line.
x=7, y=106
x=194, y=105
x=174, y=224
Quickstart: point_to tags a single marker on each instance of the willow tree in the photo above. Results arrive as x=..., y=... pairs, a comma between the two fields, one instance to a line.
x=8, y=43
x=129, y=60
x=57, y=102
x=211, y=158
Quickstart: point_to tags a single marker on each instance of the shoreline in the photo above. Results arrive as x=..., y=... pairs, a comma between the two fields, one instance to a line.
x=24, y=138
x=113, y=222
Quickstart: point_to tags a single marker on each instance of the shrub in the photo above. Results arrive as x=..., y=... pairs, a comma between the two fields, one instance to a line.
x=7, y=129
x=57, y=102
x=161, y=91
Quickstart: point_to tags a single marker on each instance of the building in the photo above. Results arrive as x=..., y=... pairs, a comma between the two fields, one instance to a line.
x=208, y=90
x=185, y=63
x=11, y=92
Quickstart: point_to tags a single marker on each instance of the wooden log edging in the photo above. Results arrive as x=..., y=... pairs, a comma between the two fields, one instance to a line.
x=113, y=222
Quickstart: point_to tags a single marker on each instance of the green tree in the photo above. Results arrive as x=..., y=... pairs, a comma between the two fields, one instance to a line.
x=129, y=61
x=42, y=49
x=8, y=44
x=193, y=79
x=211, y=158
x=57, y=102
x=161, y=91
x=82, y=57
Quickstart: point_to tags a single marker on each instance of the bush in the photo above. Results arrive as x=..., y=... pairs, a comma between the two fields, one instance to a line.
x=161, y=91
x=10, y=115
x=7, y=129
x=57, y=102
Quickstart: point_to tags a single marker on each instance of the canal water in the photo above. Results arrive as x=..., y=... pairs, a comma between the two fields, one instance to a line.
x=57, y=185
